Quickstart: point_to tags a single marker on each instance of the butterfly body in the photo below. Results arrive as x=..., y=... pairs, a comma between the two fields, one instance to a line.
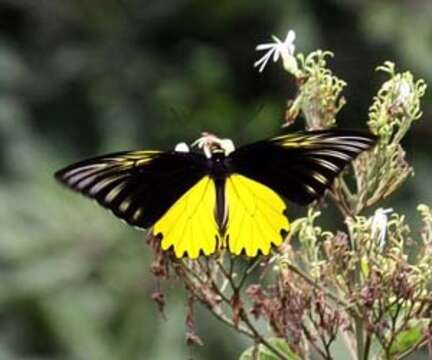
x=198, y=203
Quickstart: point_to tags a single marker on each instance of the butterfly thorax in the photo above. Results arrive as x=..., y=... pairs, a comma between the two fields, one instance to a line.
x=218, y=165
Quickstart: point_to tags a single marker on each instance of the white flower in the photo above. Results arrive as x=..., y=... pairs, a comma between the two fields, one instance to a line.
x=227, y=146
x=405, y=91
x=207, y=142
x=379, y=226
x=277, y=49
x=182, y=147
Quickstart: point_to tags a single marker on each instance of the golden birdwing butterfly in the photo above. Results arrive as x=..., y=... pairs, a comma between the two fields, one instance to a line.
x=197, y=204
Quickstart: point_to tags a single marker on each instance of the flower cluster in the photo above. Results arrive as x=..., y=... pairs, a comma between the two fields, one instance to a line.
x=319, y=96
x=366, y=284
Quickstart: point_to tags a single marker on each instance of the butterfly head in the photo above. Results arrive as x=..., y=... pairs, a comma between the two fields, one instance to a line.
x=211, y=144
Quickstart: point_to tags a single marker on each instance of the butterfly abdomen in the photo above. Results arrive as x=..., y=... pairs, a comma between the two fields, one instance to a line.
x=221, y=210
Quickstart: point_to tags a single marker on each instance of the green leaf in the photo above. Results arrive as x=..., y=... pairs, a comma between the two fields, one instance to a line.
x=263, y=353
x=408, y=338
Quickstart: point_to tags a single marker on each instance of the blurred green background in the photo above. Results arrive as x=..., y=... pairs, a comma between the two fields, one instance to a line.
x=80, y=78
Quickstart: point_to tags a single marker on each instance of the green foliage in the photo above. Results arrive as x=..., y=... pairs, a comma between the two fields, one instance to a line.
x=407, y=339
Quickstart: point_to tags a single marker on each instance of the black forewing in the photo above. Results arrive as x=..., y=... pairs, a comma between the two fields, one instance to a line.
x=300, y=166
x=137, y=186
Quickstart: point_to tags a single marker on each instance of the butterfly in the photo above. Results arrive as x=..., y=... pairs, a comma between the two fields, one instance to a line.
x=200, y=201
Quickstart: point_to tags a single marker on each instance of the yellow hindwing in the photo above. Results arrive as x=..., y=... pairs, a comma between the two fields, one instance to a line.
x=255, y=216
x=189, y=226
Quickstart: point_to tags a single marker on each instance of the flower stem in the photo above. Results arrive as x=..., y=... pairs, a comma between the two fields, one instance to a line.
x=360, y=339
x=260, y=338
x=314, y=284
